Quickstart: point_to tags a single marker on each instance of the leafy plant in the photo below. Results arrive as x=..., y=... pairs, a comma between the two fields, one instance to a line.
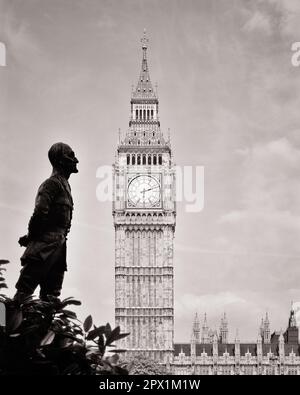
x=142, y=365
x=46, y=338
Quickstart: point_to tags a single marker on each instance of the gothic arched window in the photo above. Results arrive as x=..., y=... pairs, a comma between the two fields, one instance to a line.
x=149, y=159
x=144, y=159
x=133, y=159
x=139, y=159
x=136, y=114
x=159, y=159
x=154, y=159
x=128, y=159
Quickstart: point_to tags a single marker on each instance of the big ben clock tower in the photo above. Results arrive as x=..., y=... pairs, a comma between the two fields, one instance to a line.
x=144, y=214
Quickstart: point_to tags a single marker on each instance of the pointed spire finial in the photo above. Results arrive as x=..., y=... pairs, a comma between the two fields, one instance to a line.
x=267, y=318
x=144, y=40
x=237, y=335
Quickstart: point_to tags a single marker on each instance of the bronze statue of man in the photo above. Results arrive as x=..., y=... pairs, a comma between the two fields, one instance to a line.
x=44, y=260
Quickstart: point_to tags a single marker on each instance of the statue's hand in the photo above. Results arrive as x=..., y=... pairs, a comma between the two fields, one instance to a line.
x=23, y=241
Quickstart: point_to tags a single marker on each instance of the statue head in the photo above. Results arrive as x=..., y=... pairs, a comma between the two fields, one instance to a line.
x=63, y=158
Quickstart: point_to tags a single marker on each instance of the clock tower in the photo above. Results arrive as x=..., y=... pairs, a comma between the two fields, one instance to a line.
x=144, y=212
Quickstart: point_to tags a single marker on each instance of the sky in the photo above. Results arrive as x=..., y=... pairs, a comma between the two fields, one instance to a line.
x=230, y=96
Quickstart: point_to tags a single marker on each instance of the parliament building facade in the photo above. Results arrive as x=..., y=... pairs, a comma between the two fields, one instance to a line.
x=144, y=215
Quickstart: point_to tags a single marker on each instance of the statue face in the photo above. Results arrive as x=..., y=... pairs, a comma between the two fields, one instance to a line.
x=62, y=158
x=69, y=160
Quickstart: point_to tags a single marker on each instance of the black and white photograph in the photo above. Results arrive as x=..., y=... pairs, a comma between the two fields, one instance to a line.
x=149, y=190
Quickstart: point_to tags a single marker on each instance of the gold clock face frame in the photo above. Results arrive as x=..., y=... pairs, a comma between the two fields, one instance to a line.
x=144, y=191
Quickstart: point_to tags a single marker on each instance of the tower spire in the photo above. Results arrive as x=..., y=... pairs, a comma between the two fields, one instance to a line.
x=224, y=329
x=144, y=41
x=196, y=329
x=144, y=89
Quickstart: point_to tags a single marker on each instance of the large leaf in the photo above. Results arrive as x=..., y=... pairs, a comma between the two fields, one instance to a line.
x=116, y=335
x=14, y=319
x=101, y=345
x=70, y=302
x=112, y=336
x=69, y=314
x=95, y=332
x=122, y=335
x=107, y=330
x=88, y=322
x=48, y=339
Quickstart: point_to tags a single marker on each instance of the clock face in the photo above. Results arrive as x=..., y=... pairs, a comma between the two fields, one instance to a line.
x=144, y=192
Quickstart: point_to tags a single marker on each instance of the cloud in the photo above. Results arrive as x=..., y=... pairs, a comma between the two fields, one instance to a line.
x=10, y=207
x=92, y=227
x=265, y=218
x=290, y=10
x=283, y=219
x=233, y=216
x=106, y=22
x=217, y=303
x=22, y=45
x=281, y=149
x=259, y=22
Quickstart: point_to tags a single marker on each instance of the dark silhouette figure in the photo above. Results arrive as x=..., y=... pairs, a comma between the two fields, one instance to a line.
x=44, y=260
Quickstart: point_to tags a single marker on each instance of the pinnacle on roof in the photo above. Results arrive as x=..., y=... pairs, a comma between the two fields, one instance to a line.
x=262, y=323
x=144, y=89
x=292, y=319
x=267, y=319
x=259, y=336
x=237, y=338
x=281, y=338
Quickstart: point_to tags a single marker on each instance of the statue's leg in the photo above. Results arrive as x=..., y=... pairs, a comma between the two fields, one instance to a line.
x=29, y=279
x=51, y=283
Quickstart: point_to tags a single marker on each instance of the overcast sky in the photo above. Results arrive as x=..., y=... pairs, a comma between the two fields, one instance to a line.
x=230, y=96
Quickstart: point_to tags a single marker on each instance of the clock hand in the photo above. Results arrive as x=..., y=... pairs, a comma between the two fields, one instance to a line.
x=146, y=190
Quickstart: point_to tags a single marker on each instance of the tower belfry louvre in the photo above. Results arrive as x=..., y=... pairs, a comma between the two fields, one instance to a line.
x=144, y=213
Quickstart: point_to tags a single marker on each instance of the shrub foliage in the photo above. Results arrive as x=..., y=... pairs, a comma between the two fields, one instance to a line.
x=142, y=365
x=46, y=338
